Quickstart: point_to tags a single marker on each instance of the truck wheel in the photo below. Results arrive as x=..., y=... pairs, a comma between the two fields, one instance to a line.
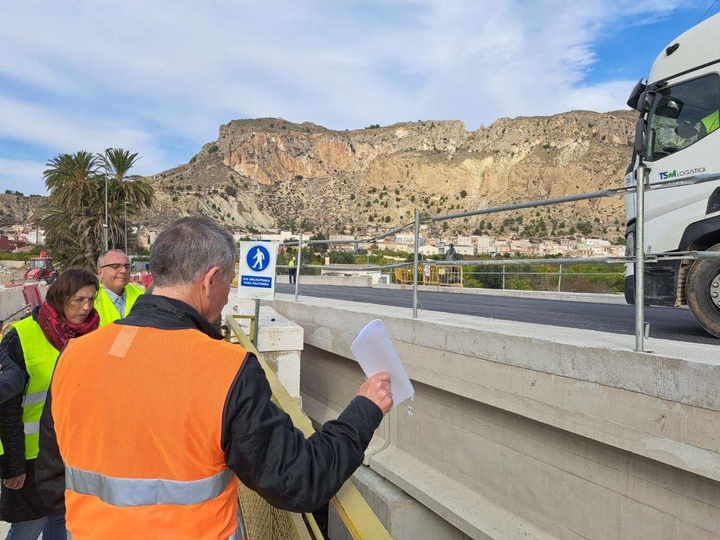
x=702, y=290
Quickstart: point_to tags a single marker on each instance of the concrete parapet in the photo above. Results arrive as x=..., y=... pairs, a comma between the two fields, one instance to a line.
x=524, y=431
x=403, y=516
x=347, y=281
x=279, y=340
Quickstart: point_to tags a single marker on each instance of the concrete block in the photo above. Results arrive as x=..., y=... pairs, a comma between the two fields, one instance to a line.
x=286, y=366
x=280, y=341
x=11, y=301
x=403, y=516
x=344, y=281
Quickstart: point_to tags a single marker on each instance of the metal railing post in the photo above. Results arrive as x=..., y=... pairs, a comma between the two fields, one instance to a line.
x=299, y=265
x=503, y=276
x=559, y=277
x=641, y=176
x=415, y=262
x=256, y=326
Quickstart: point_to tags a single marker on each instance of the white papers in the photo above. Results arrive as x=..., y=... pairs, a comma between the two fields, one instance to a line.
x=375, y=352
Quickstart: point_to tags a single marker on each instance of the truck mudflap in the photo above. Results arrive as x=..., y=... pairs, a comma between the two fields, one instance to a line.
x=660, y=281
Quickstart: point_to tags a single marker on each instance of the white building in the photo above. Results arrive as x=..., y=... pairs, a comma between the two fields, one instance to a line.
x=281, y=237
x=36, y=237
x=428, y=250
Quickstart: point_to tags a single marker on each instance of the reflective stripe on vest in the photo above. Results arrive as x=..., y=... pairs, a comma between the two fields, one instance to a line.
x=40, y=357
x=143, y=492
x=138, y=421
x=107, y=310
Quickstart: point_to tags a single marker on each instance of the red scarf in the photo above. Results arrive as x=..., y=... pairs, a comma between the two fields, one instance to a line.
x=58, y=331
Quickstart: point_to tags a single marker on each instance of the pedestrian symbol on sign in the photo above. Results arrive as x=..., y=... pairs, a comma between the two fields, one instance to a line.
x=258, y=258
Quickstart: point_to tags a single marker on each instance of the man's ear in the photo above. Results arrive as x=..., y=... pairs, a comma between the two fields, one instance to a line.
x=210, y=277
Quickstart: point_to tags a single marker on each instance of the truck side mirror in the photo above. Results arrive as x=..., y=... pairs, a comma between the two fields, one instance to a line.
x=635, y=95
x=639, y=147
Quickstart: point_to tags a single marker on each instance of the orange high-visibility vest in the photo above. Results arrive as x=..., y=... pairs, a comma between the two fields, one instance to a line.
x=138, y=418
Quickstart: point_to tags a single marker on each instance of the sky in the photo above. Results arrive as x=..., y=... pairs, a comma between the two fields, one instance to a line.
x=159, y=78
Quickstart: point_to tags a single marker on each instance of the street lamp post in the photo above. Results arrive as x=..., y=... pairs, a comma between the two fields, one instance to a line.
x=126, y=203
x=105, y=226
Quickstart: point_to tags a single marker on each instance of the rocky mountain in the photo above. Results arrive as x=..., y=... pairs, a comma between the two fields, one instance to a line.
x=271, y=173
x=16, y=208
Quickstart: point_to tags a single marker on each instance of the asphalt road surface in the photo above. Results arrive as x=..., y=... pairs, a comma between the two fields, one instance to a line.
x=665, y=323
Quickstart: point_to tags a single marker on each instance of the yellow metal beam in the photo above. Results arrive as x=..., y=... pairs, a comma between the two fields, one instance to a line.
x=360, y=520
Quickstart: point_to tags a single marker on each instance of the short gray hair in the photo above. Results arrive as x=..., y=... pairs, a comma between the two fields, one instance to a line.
x=188, y=248
x=101, y=258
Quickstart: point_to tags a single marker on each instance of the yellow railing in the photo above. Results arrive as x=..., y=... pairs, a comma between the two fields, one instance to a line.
x=451, y=276
x=265, y=522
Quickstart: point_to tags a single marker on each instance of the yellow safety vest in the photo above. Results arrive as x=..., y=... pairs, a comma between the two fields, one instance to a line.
x=40, y=358
x=711, y=121
x=107, y=310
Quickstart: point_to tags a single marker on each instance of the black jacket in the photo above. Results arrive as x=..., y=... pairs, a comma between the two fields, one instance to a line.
x=12, y=377
x=23, y=504
x=260, y=443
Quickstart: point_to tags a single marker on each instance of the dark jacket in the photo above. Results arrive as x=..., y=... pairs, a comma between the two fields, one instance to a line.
x=23, y=504
x=305, y=473
x=12, y=378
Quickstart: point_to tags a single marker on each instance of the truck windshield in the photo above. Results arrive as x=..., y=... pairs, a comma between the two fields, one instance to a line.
x=682, y=115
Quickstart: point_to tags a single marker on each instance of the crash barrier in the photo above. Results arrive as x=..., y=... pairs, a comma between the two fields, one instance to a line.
x=262, y=520
x=638, y=258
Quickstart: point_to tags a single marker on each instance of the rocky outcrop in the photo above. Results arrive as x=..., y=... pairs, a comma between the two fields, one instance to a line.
x=15, y=208
x=270, y=172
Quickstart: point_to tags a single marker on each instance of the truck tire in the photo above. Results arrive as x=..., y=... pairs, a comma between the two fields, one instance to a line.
x=702, y=291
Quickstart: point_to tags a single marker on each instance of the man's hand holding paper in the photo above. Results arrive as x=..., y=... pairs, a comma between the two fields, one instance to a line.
x=376, y=355
x=378, y=390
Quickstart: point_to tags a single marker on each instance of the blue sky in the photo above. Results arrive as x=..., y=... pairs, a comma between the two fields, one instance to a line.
x=159, y=78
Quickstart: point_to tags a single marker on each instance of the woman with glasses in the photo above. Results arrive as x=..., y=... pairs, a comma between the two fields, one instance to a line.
x=34, y=344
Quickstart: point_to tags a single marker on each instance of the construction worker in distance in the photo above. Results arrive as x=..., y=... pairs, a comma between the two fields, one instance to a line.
x=116, y=295
x=150, y=420
x=292, y=271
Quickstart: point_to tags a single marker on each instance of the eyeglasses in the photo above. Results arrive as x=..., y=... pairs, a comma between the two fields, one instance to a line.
x=116, y=266
x=80, y=300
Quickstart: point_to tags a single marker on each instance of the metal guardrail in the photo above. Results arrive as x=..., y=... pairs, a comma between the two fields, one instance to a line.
x=267, y=523
x=639, y=260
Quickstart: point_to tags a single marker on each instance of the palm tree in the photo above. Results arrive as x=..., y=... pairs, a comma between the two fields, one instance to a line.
x=75, y=214
x=123, y=188
x=72, y=178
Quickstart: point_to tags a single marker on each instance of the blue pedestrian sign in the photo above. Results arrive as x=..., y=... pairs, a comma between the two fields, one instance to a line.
x=258, y=258
x=256, y=276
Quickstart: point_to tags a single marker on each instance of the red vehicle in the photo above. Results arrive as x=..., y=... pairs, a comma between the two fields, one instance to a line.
x=41, y=269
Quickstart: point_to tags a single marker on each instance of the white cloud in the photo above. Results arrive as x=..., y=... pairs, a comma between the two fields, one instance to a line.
x=154, y=76
x=22, y=175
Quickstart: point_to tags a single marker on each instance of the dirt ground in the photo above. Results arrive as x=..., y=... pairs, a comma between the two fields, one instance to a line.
x=11, y=275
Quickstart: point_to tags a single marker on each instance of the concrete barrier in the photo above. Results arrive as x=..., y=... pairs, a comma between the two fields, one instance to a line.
x=525, y=431
x=279, y=340
x=15, y=300
x=347, y=281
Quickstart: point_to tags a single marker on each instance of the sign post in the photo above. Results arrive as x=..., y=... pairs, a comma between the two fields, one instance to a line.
x=256, y=278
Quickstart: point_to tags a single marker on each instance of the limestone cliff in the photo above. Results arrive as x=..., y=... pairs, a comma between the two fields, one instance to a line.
x=270, y=172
